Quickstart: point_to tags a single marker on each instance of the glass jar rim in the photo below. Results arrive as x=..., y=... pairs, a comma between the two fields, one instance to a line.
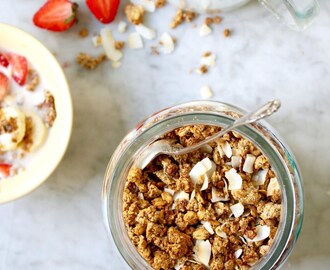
x=209, y=113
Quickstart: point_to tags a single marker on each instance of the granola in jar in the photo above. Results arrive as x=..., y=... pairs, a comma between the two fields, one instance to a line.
x=215, y=208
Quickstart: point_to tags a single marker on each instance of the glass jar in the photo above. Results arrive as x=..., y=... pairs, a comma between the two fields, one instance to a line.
x=297, y=14
x=207, y=113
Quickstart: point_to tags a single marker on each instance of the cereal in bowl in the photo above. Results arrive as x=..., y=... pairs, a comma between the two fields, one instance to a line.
x=27, y=112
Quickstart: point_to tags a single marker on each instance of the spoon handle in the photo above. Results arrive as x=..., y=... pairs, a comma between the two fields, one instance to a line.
x=264, y=111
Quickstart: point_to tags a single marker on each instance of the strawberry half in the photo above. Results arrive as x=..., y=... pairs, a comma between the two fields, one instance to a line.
x=19, y=66
x=56, y=15
x=4, y=86
x=104, y=10
x=3, y=60
x=5, y=169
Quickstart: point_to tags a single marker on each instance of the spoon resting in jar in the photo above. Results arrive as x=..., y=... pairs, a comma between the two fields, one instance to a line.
x=166, y=147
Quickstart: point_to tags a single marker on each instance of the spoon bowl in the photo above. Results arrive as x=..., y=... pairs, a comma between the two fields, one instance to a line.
x=167, y=147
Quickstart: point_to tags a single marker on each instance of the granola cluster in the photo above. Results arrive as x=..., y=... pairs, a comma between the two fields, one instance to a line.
x=215, y=208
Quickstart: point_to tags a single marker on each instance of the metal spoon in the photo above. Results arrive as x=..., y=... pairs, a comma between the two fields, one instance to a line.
x=166, y=147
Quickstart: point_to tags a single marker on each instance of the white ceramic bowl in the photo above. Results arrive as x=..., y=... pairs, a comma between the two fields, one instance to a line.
x=49, y=155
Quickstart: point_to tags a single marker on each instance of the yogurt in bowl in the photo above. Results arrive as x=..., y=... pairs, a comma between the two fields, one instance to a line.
x=35, y=113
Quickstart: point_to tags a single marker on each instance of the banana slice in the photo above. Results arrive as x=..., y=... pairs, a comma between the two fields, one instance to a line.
x=36, y=131
x=12, y=128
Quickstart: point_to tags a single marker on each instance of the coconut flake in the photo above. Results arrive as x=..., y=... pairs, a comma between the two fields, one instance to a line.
x=197, y=172
x=140, y=196
x=178, y=266
x=238, y=253
x=148, y=5
x=205, y=183
x=167, y=43
x=259, y=177
x=192, y=195
x=209, y=165
x=237, y=209
x=145, y=32
x=201, y=169
x=234, y=179
x=220, y=233
x=208, y=60
x=262, y=233
x=273, y=187
x=248, y=164
x=207, y=225
x=206, y=92
x=205, y=30
x=97, y=41
x=170, y=191
x=243, y=239
x=215, y=198
x=122, y=26
x=236, y=161
x=108, y=44
x=116, y=64
x=206, y=149
x=221, y=153
x=181, y=195
x=226, y=149
x=202, y=251
x=135, y=41
x=205, y=4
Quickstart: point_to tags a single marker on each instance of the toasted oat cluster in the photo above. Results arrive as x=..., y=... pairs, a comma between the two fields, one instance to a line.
x=215, y=208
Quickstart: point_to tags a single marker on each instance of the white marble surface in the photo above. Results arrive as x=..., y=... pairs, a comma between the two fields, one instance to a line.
x=59, y=226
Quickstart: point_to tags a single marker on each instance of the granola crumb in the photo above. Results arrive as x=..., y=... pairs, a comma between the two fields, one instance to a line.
x=134, y=14
x=33, y=80
x=208, y=21
x=160, y=3
x=83, y=32
x=47, y=109
x=119, y=45
x=154, y=50
x=227, y=32
x=203, y=69
x=217, y=20
x=89, y=62
x=182, y=16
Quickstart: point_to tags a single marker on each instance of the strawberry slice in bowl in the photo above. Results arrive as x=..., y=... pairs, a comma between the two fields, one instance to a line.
x=5, y=169
x=4, y=86
x=3, y=60
x=19, y=66
x=56, y=15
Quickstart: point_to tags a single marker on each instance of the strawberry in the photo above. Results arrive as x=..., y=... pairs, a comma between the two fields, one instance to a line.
x=4, y=86
x=19, y=67
x=5, y=169
x=3, y=60
x=56, y=15
x=104, y=10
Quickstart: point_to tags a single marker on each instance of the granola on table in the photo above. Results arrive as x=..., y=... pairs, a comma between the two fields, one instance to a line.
x=215, y=208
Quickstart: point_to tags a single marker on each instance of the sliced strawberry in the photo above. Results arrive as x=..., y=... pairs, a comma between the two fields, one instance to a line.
x=5, y=169
x=56, y=15
x=104, y=10
x=3, y=60
x=4, y=86
x=19, y=67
